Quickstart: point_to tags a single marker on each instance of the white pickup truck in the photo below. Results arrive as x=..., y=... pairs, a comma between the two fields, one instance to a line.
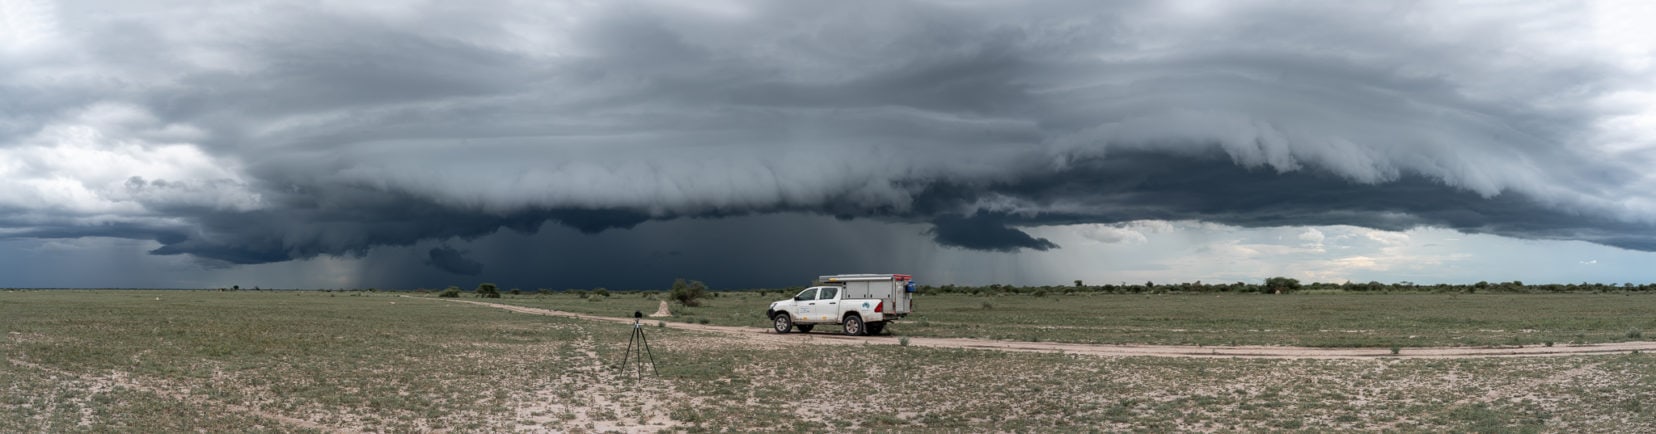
x=859, y=303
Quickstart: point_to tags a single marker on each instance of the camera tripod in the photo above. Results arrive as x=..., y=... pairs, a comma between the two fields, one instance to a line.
x=642, y=349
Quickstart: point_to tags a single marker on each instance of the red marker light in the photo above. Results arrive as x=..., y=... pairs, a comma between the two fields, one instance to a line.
x=878, y=308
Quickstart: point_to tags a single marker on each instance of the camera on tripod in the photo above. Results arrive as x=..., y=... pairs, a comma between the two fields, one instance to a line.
x=642, y=349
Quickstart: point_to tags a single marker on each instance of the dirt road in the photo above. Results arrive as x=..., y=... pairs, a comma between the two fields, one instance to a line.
x=1258, y=352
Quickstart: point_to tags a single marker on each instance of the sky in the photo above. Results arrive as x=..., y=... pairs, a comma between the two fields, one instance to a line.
x=622, y=144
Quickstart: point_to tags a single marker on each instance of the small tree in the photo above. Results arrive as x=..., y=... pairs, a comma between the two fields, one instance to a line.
x=487, y=290
x=603, y=292
x=1280, y=285
x=688, y=293
x=451, y=292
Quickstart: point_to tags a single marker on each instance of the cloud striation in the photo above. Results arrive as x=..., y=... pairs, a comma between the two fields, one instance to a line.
x=261, y=132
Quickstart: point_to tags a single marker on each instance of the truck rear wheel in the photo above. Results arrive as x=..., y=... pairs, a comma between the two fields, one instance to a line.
x=854, y=326
x=782, y=322
x=875, y=328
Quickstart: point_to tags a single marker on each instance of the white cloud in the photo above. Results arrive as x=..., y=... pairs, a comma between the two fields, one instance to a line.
x=1112, y=234
x=1312, y=237
x=1385, y=238
x=26, y=25
x=95, y=163
x=1218, y=253
x=1133, y=232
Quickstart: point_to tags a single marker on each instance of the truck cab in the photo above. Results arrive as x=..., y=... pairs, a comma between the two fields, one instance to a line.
x=859, y=303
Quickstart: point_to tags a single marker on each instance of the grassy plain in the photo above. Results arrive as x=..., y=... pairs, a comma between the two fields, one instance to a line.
x=145, y=361
x=1317, y=320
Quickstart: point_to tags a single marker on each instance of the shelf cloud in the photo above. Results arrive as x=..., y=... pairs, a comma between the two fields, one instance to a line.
x=258, y=132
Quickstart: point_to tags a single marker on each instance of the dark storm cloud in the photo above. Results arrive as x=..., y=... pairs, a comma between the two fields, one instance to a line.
x=984, y=232
x=1138, y=186
x=454, y=261
x=332, y=129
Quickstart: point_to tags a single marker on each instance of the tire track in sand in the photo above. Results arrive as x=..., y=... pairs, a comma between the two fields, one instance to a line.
x=1246, y=351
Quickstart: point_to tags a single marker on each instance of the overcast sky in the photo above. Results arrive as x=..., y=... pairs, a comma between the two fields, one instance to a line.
x=560, y=145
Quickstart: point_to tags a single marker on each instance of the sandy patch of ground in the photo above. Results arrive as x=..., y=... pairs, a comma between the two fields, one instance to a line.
x=101, y=383
x=594, y=396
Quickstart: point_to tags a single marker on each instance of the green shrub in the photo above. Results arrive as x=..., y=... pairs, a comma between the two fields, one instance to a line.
x=487, y=290
x=1281, y=285
x=516, y=291
x=602, y=292
x=688, y=293
x=451, y=292
x=1396, y=349
x=903, y=341
x=987, y=306
x=1635, y=334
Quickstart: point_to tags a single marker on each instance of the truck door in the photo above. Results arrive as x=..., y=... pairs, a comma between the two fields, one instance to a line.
x=828, y=304
x=805, y=304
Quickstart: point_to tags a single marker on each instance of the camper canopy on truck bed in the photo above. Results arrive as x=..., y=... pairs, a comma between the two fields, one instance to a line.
x=894, y=289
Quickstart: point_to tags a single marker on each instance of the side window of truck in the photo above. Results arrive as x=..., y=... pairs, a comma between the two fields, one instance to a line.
x=828, y=293
x=807, y=295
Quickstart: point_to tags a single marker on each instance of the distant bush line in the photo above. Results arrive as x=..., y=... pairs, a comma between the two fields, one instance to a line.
x=1287, y=286
x=691, y=292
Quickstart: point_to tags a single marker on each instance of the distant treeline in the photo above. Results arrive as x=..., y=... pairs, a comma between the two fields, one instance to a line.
x=1285, y=285
x=1271, y=285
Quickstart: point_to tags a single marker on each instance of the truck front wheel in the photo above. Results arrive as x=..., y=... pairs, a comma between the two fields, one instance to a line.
x=782, y=322
x=854, y=326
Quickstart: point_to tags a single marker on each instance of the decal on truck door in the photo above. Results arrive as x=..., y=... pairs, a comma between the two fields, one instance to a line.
x=865, y=305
